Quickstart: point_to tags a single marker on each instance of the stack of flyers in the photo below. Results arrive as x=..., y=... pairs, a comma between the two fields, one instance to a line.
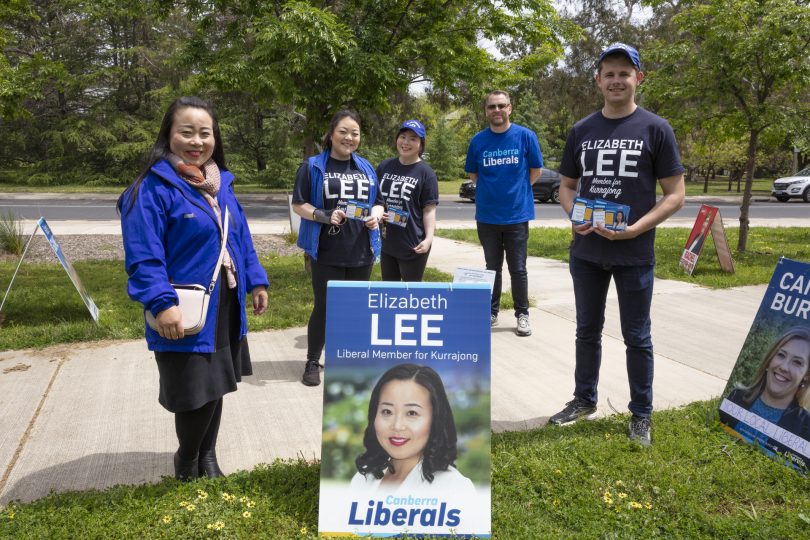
x=600, y=213
x=613, y=215
x=355, y=209
x=582, y=211
x=398, y=217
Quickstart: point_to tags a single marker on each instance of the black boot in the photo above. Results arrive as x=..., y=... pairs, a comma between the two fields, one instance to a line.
x=183, y=469
x=208, y=465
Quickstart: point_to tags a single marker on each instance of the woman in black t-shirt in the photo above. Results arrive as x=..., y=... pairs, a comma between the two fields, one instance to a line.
x=327, y=186
x=410, y=190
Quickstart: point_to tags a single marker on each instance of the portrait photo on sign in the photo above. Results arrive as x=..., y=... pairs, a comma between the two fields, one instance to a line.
x=408, y=436
x=767, y=399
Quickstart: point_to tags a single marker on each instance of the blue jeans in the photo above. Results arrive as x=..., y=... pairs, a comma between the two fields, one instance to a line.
x=511, y=240
x=634, y=287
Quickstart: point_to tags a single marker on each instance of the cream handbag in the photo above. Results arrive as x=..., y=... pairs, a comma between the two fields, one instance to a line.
x=193, y=299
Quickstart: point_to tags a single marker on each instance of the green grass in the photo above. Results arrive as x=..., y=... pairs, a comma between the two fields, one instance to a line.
x=43, y=308
x=753, y=267
x=694, y=482
x=719, y=187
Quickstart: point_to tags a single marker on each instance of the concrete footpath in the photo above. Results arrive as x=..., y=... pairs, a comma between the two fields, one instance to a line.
x=86, y=416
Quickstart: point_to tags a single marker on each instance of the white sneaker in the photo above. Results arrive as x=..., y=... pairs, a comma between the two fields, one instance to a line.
x=493, y=320
x=523, y=328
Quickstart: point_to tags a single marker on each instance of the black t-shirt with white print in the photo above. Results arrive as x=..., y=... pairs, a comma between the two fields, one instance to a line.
x=347, y=245
x=409, y=189
x=620, y=160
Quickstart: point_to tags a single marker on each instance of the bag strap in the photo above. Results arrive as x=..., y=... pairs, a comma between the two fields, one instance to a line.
x=221, y=252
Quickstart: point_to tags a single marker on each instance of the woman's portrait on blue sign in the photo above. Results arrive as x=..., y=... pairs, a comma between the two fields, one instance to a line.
x=410, y=440
x=771, y=410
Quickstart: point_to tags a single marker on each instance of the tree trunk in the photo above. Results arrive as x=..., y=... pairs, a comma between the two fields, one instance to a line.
x=258, y=124
x=706, y=183
x=749, y=179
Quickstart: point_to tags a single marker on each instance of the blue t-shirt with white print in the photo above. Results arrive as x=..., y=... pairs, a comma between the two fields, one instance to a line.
x=620, y=160
x=503, y=193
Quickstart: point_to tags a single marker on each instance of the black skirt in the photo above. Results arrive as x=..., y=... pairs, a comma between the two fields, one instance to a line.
x=190, y=380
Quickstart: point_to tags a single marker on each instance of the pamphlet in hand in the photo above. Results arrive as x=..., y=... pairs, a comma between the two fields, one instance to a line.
x=355, y=209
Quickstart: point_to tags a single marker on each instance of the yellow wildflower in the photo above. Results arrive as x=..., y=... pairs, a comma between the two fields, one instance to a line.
x=246, y=514
x=619, y=483
x=243, y=499
x=556, y=502
x=183, y=504
x=607, y=435
x=557, y=471
x=167, y=519
x=11, y=515
x=648, y=506
x=303, y=531
x=250, y=504
x=622, y=495
x=202, y=495
x=634, y=504
x=190, y=507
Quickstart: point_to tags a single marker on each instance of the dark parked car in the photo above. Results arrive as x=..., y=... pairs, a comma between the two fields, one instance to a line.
x=545, y=189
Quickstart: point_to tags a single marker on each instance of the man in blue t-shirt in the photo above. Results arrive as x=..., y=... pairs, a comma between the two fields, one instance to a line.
x=618, y=154
x=503, y=162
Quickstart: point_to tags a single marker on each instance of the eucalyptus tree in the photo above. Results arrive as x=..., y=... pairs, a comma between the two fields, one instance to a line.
x=746, y=62
x=318, y=56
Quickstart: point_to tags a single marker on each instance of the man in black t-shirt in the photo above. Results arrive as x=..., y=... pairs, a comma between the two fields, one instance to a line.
x=618, y=154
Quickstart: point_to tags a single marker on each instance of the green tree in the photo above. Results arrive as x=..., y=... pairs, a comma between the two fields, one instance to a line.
x=744, y=61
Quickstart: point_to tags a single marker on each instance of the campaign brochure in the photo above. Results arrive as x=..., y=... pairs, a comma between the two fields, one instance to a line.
x=406, y=411
x=582, y=212
x=766, y=400
x=600, y=213
x=614, y=216
x=355, y=209
x=397, y=217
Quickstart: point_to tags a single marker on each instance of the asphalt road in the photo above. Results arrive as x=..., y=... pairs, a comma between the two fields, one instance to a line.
x=451, y=208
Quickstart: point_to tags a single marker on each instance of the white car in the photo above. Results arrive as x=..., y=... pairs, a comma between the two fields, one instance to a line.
x=791, y=187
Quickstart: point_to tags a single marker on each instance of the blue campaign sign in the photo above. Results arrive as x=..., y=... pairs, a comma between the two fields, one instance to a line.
x=71, y=272
x=406, y=436
x=766, y=400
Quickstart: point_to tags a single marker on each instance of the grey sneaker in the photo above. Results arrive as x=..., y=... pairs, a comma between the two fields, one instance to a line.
x=493, y=319
x=640, y=430
x=312, y=373
x=574, y=410
x=523, y=327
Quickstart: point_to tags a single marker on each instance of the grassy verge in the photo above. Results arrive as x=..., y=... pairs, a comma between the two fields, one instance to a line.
x=582, y=481
x=753, y=267
x=43, y=308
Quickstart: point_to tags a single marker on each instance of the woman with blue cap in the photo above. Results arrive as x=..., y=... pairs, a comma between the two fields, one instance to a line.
x=410, y=190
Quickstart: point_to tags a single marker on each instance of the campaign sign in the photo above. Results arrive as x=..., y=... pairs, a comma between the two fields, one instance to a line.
x=71, y=272
x=766, y=400
x=406, y=417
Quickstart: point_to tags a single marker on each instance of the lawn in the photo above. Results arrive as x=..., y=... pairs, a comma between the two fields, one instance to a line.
x=581, y=481
x=43, y=308
x=753, y=267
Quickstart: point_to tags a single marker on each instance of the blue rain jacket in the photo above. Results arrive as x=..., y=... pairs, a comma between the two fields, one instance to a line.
x=171, y=236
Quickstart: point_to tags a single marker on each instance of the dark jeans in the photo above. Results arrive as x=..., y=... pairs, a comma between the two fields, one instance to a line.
x=321, y=275
x=511, y=240
x=634, y=287
x=394, y=269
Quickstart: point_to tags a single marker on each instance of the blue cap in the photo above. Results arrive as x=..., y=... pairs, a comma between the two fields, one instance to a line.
x=630, y=52
x=415, y=126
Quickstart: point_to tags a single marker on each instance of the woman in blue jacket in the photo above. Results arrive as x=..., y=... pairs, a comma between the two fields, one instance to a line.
x=340, y=248
x=172, y=222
